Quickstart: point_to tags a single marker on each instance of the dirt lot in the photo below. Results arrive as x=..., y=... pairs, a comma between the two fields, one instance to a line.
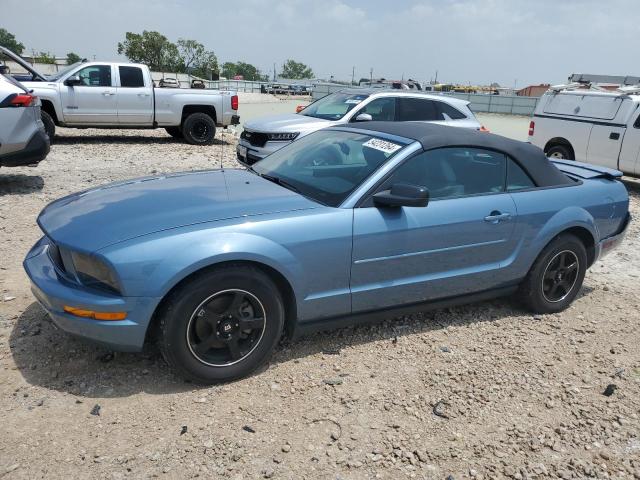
x=481, y=391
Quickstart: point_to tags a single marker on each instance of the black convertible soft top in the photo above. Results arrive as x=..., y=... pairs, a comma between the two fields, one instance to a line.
x=431, y=136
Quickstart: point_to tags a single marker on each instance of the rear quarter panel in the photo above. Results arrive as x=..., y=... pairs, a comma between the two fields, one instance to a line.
x=576, y=133
x=598, y=205
x=170, y=102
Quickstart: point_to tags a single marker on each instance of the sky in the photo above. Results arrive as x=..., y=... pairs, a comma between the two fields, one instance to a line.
x=512, y=42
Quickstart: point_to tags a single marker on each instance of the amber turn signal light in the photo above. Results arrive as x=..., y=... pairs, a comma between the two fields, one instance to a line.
x=79, y=312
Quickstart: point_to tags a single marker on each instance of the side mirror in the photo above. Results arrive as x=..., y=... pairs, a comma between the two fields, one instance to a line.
x=364, y=117
x=73, y=80
x=402, y=195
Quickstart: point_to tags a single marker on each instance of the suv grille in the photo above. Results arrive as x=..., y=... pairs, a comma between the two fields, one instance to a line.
x=256, y=139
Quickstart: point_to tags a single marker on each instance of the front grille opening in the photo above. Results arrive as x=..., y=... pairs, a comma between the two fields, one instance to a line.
x=256, y=139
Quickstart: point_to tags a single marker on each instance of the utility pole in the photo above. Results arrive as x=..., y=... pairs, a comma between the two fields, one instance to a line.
x=436, y=80
x=353, y=76
x=274, y=71
x=371, y=77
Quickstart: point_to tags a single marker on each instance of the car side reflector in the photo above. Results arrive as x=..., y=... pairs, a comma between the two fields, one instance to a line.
x=484, y=129
x=299, y=108
x=79, y=312
x=532, y=128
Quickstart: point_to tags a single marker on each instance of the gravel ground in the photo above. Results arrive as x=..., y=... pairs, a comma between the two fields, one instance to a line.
x=481, y=391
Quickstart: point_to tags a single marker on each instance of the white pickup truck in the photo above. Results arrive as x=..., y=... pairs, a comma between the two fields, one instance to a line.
x=592, y=126
x=122, y=95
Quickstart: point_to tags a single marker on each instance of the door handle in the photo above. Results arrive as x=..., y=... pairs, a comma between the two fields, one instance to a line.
x=143, y=94
x=497, y=217
x=614, y=136
x=108, y=94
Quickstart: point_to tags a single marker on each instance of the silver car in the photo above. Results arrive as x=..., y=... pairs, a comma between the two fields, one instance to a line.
x=23, y=140
x=265, y=135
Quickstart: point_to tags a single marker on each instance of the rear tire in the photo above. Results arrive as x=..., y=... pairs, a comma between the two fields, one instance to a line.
x=49, y=125
x=560, y=152
x=199, y=129
x=556, y=276
x=175, y=132
x=222, y=324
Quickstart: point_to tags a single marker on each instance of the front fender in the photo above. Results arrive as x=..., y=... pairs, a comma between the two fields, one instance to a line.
x=151, y=266
x=49, y=92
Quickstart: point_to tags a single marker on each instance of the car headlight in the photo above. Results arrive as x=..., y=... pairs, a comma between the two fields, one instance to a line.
x=92, y=272
x=287, y=136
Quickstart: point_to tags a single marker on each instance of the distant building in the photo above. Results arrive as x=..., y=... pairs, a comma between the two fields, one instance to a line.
x=533, y=90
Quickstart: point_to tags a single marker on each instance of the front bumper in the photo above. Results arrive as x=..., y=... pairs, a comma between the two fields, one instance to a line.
x=35, y=151
x=53, y=293
x=610, y=243
x=249, y=154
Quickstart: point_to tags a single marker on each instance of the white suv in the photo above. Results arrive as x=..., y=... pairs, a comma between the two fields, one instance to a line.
x=265, y=135
x=23, y=140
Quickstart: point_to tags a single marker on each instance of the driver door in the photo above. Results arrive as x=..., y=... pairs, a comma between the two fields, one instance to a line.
x=454, y=246
x=93, y=101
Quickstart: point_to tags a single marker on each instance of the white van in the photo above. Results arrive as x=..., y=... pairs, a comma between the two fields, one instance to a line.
x=592, y=126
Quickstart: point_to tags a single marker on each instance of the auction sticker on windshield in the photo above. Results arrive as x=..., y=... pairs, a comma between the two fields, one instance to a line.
x=353, y=101
x=382, y=145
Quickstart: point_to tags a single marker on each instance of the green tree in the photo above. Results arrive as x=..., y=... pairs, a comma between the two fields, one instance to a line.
x=151, y=48
x=296, y=70
x=195, y=59
x=73, y=58
x=45, y=57
x=8, y=40
x=248, y=71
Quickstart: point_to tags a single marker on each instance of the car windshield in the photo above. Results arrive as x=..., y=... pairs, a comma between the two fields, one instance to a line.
x=328, y=165
x=59, y=74
x=334, y=106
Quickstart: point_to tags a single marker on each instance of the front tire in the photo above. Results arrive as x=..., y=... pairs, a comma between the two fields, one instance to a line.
x=222, y=324
x=556, y=276
x=560, y=152
x=199, y=129
x=49, y=125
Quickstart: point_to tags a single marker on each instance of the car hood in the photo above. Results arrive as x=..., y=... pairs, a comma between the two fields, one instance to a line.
x=18, y=59
x=102, y=216
x=288, y=122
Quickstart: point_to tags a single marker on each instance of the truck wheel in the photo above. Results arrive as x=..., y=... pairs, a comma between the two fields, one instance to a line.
x=175, y=132
x=49, y=125
x=222, y=324
x=556, y=276
x=560, y=152
x=199, y=129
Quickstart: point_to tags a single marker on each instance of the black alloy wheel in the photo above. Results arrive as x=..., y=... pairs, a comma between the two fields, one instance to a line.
x=226, y=327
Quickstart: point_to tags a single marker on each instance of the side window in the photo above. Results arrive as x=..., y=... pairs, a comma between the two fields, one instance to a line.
x=451, y=112
x=96, y=76
x=131, y=77
x=383, y=109
x=517, y=178
x=453, y=172
x=637, y=122
x=416, y=109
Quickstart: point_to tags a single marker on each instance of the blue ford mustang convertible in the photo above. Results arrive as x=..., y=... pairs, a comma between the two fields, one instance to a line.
x=349, y=223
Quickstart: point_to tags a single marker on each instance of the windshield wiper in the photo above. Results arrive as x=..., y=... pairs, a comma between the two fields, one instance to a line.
x=276, y=180
x=280, y=181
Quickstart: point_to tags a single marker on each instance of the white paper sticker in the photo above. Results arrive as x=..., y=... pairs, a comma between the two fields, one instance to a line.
x=353, y=101
x=382, y=145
